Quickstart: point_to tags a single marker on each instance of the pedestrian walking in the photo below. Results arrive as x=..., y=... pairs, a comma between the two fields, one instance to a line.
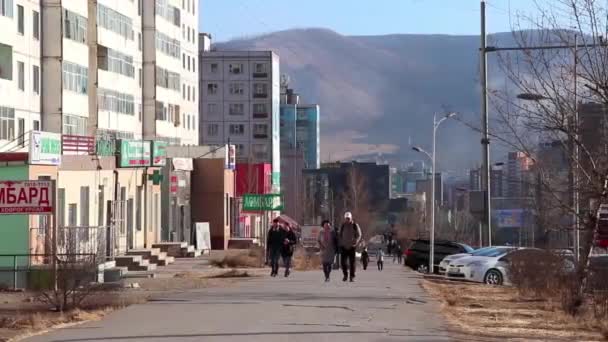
x=289, y=244
x=364, y=258
x=380, y=259
x=350, y=236
x=399, y=254
x=274, y=244
x=328, y=243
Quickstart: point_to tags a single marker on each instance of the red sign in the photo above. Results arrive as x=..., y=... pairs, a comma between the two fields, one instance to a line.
x=26, y=197
x=78, y=145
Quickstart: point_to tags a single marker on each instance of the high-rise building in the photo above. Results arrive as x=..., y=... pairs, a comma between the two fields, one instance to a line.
x=19, y=68
x=496, y=181
x=240, y=92
x=520, y=178
x=105, y=75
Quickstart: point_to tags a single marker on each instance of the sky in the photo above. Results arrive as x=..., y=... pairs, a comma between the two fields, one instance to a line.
x=227, y=19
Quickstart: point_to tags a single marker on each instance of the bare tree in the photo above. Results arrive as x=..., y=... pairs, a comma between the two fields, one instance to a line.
x=568, y=86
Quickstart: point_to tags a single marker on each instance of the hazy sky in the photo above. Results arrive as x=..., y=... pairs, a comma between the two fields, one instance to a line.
x=226, y=19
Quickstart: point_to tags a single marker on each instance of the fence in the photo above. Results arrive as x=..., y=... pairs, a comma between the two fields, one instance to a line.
x=86, y=240
x=16, y=270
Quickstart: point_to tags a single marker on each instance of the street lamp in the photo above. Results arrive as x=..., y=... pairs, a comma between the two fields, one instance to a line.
x=436, y=124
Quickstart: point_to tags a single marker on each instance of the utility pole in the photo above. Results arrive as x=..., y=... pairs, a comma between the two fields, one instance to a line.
x=485, y=141
x=575, y=157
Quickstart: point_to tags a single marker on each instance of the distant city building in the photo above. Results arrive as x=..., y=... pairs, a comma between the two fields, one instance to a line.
x=240, y=92
x=520, y=177
x=496, y=177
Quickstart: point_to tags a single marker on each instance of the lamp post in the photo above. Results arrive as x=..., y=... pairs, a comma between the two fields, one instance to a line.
x=436, y=124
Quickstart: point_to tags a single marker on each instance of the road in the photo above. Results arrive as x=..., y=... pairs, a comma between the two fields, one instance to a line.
x=379, y=306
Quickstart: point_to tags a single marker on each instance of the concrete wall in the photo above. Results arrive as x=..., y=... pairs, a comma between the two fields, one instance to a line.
x=212, y=190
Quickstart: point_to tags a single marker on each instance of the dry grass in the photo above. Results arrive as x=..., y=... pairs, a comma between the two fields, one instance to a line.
x=252, y=258
x=501, y=312
x=306, y=261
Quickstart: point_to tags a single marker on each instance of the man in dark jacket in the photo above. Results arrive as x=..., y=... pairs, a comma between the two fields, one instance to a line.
x=274, y=244
x=289, y=244
x=350, y=236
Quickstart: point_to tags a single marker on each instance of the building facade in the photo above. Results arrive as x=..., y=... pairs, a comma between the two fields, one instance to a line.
x=240, y=92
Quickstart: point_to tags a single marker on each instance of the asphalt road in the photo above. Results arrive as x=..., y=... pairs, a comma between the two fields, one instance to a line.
x=379, y=306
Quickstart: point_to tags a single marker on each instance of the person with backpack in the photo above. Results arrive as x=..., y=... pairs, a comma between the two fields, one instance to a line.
x=289, y=245
x=328, y=243
x=350, y=236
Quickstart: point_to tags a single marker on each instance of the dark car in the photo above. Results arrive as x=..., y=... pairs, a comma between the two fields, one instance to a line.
x=417, y=254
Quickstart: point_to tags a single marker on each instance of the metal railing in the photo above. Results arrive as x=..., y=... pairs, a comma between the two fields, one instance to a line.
x=25, y=263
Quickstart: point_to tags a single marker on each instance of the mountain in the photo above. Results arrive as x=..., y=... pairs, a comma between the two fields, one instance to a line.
x=378, y=93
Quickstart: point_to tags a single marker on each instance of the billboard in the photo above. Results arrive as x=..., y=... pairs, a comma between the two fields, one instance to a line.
x=26, y=197
x=135, y=153
x=509, y=218
x=45, y=148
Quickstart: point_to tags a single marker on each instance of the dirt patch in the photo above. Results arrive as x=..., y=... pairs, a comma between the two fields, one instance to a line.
x=232, y=274
x=502, y=313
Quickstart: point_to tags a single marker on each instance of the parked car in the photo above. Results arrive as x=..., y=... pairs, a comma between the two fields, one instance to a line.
x=445, y=263
x=489, y=268
x=417, y=254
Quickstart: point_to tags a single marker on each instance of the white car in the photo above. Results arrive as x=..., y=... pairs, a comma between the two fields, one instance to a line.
x=489, y=268
x=445, y=263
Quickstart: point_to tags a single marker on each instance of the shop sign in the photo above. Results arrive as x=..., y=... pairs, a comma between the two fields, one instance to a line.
x=269, y=202
x=45, y=148
x=159, y=153
x=26, y=197
x=134, y=153
x=182, y=164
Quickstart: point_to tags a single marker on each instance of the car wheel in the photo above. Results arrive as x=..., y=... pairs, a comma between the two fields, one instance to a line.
x=422, y=268
x=493, y=277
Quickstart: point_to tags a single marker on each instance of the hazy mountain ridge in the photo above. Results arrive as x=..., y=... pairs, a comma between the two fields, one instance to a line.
x=378, y=93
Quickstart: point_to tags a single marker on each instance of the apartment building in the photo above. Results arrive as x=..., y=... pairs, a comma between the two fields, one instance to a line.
x=19, y=69
x=170, y=79
x=240, y=104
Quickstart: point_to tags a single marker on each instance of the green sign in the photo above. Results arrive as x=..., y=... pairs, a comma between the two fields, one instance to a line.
x=270, y=202
x=159, y=153
x=134, y=153
x=106, y=148
x=156, y=177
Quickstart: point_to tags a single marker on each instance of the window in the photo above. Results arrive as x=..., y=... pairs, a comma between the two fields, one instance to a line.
x=72, y=215
x=237, y=129
x=75, y=26
x=21, y=75
x=114, y=21
x=115, y=61
x=260, y=151
x=183, y=91
x=35, y=24
x=21, y=132
x=123, y=197
x=188, y=5
x=184, y=60
x=213, y=130
x=193, y=7
x=212, y=89
x=6, y=61
x=184, y=4
x=7, y=123
x=260, y=70
x=167, y=45
x=188, y=28
x=188, y=63
x=139, y=41
x=75, y=77
x=100, y=205
x=84, y=206
x=36, y=125
x=138, y=205
x=193, y=93
x=183, y=31
x=140, y=76
x=160, y=110
x=138, y=10
x=236, y=109
x=167, y=79
x=260, y=131
x=212, y=108
x=260, y=110
x=74, y=125
x=36, y=79
x=6, y=8
x=20, y=23
x=237, y=88
x=260, y=90
x=214, y=68
x=193, y=64
x=235, y=69
x=188, y=87
x=188, y=122
x=60, y=206
x=116, y=102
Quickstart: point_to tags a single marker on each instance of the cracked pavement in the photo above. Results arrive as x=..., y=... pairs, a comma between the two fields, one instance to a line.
x=379, y=306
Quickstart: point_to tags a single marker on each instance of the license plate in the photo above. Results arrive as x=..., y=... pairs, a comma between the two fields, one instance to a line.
x=454, y=270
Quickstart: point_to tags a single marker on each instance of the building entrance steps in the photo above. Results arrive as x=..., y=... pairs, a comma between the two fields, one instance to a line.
x=178, y=249
x=153, y=255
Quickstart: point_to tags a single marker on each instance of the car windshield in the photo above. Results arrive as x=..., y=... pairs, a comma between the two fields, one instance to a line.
x=494, y=251
x=467, y=248
x=482, y=250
